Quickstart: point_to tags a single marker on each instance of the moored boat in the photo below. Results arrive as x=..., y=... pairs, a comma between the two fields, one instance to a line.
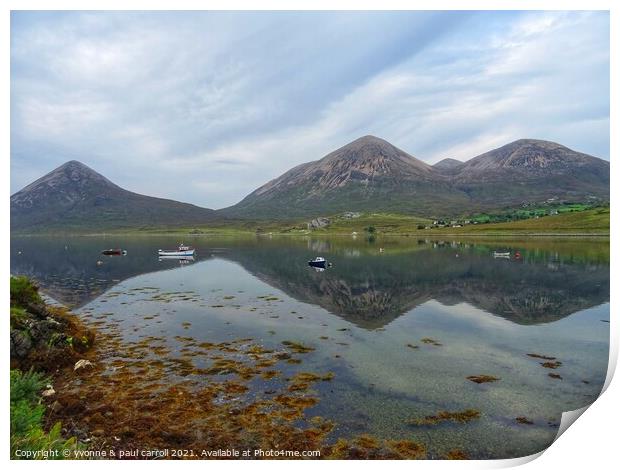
x=114, y=252
x=318, y=262
x=501, y=254
x=182, y=250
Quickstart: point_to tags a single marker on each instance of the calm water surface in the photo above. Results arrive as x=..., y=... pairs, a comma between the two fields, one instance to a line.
x=367, y=316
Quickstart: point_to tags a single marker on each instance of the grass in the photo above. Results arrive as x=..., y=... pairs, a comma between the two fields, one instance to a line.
x=592, y=221
x=570, y=220
x=28, y=438
x=23, y=292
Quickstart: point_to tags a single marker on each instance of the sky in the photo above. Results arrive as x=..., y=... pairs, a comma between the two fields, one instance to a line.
x=204, y=107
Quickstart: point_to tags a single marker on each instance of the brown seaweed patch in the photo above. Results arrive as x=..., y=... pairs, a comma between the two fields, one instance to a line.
x=302, y=380
x=257, y=349
x=456, y=454
x=367, y=441
x=270, y=374
x=455, y=416
x=481, y=379
x=407, y=449
x=298, y=347
x=554, y=376
x=541, y=356
x=523, y=420
x=235, y=388
x=432, y=341
x=551, y=365
x=413, y=346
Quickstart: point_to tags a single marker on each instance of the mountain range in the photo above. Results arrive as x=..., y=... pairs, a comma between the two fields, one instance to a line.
x=366, y=175
x=371, y=175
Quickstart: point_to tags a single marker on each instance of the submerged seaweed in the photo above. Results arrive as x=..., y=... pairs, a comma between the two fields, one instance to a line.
x=480, y=379
x=455, y=416
x=523, y=420
x=432, y=341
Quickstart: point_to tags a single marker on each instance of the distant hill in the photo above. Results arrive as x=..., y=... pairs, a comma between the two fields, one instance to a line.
x=448, y=165
x=75, y=197
x=368, y=174
x=372, y=175
x=533, y=170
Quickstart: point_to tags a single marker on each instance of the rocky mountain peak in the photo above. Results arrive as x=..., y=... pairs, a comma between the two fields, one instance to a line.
x=66, y=184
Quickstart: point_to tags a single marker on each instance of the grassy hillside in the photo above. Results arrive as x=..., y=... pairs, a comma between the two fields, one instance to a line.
x=593, y=221
x=588, y=222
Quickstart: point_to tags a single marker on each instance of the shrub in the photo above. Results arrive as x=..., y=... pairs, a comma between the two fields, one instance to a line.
x=25, y=386
x=23, y=292
x=27, y=433
x=18, y=315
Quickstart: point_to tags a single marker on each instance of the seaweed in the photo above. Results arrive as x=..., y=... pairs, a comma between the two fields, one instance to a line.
x=455, y=416
x=145, y=397
x=303, y=380
x=541, y=356
x=455, y=454
x=432, y=341
x=298, y=347
x=551, y=365
x=523, y=420
x=554, y=376
x=480, y=379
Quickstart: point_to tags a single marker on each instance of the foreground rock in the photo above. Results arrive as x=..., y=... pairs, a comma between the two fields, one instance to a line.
x=43, y=337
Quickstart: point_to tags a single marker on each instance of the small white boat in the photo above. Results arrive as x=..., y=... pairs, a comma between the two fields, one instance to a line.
x=319, y=262
x=501, y=254
x=183, y=250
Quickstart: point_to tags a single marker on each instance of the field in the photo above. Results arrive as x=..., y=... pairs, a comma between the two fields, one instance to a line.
x=571, y=222
x=592, y=221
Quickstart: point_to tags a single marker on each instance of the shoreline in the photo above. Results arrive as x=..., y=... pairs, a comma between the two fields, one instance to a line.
x=321, y=234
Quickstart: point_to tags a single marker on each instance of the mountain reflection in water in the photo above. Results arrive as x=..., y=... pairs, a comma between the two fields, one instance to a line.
x=365, y=286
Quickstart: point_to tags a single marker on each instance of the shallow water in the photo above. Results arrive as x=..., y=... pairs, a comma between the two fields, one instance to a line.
x=367, y=317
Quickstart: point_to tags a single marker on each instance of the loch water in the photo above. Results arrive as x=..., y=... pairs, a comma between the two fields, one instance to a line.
x=401, y=322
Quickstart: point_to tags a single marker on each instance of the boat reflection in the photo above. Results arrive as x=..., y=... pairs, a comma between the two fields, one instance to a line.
x=182, y=259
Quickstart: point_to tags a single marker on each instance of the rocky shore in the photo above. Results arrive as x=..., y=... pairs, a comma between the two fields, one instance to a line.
x=45, y=341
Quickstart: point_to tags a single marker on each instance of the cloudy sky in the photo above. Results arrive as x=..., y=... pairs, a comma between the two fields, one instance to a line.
x=204, y=107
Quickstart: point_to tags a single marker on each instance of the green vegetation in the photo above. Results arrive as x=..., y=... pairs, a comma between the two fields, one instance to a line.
x=591, y=221
x=23, y=292
x=27, y=412
x=45, y=338
x=524, y=213
x=575, y=218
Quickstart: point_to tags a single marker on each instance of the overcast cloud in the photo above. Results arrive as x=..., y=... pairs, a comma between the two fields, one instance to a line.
x=204, y=107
